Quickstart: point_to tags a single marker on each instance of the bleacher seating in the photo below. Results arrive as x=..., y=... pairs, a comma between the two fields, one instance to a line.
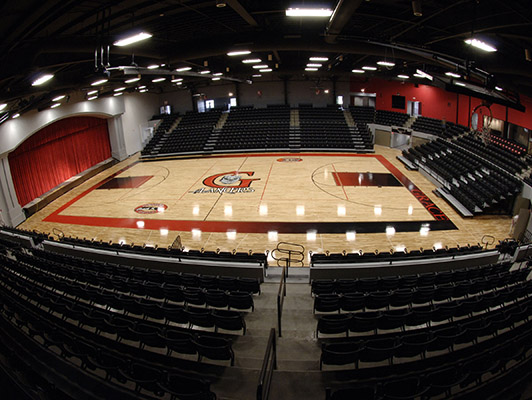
x=248, y=128
x=162, y=129
x=481, y=179
x=384, y=117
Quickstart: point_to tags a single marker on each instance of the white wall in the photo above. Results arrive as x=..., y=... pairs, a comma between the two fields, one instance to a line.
x=139, y=108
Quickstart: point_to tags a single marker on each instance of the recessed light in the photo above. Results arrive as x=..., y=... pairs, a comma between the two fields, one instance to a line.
x=120, y=89
x=452, y=74
x=183, y=69
x=99, y=82
x=133, y=80
x=58, y=98
x=309, y=12
x=265, y=70
x=133, y=39
x=239, y=53
x=42, y=79
x=321, y=59
x=358, y=71
x=368, y=68
x=158, y=80
x=252, y=61
x=479, y=44
x=386, y=63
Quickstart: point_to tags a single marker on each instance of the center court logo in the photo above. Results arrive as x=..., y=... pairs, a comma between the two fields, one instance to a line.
x=228, y=182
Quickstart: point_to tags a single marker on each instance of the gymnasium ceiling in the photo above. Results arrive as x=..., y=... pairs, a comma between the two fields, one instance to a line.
x=68, y=37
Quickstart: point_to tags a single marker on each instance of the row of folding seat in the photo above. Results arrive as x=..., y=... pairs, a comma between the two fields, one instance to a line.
x=354, y=301
x=120, y=363
x=99, y=273
x=321, y=286
x=401, y=318
x=462, y=375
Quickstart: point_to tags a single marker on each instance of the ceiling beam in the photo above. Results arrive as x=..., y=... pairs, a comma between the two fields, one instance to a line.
x=235, y=5
x=341, y=15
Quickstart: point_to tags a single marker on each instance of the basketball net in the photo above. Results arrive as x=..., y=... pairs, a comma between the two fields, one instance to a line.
x=483, y=132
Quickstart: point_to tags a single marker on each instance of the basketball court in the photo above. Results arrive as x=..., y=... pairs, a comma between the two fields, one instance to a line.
x=323, y=201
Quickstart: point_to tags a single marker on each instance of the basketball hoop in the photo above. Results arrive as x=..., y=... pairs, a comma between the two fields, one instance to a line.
x=483, y=129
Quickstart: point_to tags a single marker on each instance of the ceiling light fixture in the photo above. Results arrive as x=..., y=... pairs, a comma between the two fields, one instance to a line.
x=154, y=66
x=55, y=105
x=183, y=69
x=424, y=74
x=204, y=72
x=92, y=98
x=142, y=87
x=309, y=12
x=217, y=74
x=358, y=71
x=238, y=53
x=386, y=63
x=133, y=39
x=42, y=79
x=479, y=44
x=312, y=65
x=453, y=75
x=133, y=80
x=498, y=88
x=99, y=82
x=256, y=76
x=15, y=115
x=265, y=70
x=459, y=84
x=416, y=8
x=323, y=59
x=120, y=89
x=252, y=60
x=158, y=80
x=179, y=83
x=143, y=90
x=403, y=76
x=310, y=69
x=118, y=94
x=59, y=98
x=368, y=68
x=260, y=66
x=220, y=3
x=216, y=78
x=92, y=92
x=176, y=80
x=2, y=106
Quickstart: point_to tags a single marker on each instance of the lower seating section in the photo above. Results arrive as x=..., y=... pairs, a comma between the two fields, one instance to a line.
x=365, y=115
x=459, y=335
x=383, y=117
x=189, y=136
x=324, y=128
x=466, y=173
x=248, y=128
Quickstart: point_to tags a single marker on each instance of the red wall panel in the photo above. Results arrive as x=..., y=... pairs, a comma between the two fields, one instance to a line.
x=56, y=153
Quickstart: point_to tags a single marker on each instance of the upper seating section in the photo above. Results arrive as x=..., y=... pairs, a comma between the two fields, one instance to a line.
x=438, y=127
x=324, y=128
x=383, y=117
x=362, y=114
x=189, y=136
x=162, y=128
x=248, y=128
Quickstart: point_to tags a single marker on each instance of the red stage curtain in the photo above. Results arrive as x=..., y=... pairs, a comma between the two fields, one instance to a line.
x=56, y=153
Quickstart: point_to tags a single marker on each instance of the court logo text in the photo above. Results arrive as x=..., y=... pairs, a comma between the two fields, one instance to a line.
x=228, y=182
x=151, y=208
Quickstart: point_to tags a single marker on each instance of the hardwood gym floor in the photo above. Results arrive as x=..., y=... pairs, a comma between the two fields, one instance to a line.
x=322, y=201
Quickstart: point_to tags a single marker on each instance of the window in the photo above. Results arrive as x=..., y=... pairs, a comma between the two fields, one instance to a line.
x=232, y=102
x=340, y=100
x=209, y=104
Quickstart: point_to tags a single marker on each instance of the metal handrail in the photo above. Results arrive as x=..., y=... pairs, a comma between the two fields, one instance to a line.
x=487, y=242
x=288, y=260
x=280, y=299
x=269, y=364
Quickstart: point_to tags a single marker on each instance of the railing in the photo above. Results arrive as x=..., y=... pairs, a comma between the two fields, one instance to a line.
x=269, y=364
x=280, y=299
x=487, y=240
x=291, y=253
